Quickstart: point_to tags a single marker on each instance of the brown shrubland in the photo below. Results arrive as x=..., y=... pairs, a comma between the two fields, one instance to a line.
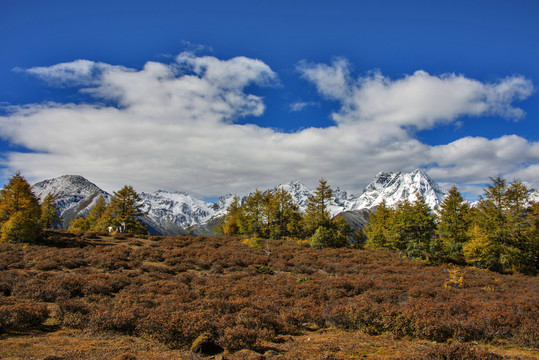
x=175, y=289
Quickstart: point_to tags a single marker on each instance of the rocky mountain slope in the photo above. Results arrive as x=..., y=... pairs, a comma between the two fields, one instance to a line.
x=178, y=212
x=174, y=212
x=74, y=195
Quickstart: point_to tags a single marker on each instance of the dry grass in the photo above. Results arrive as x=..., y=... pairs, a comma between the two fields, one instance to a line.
x=99, y=297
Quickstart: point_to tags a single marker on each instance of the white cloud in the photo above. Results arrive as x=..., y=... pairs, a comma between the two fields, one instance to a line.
x=76, y=73
x=301, y=105
x=418, y=101
x=174, y=128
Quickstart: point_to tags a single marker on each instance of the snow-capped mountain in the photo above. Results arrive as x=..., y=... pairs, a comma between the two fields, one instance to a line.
x=395, y=187
x=340, y=201
x=299, y=192
x=173, y=212
x=178, y=212
x=74, y=195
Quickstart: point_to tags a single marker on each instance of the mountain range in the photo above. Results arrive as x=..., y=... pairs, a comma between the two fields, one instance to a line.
x=170, y=213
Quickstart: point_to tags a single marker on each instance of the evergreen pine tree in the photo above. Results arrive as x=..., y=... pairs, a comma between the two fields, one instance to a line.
x=454, y=225
x=531, y=253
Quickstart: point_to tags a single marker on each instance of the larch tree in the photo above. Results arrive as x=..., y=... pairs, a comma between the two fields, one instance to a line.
x=49, y=213
x=230, y=224
x=317, y=209
x=379, y=227
x=124, y=211
x=92, y=221
x=412, y=228
x=501, y=216
x=317, y=222
x=20, y=211
x=253, y=219
x=284, y=217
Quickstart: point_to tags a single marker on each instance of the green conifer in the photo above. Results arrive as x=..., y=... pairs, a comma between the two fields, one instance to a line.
x=317, y=210
x=454, y=225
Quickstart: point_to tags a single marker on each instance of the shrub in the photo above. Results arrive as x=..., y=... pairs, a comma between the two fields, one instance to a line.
x=22, y=316
x=73, y=313
x=458, y=352
x=239, y=337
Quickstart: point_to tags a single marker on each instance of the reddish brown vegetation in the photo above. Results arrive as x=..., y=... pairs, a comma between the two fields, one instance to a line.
x=175, y=289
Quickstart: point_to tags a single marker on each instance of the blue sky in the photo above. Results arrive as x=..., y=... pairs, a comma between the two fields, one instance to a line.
x=212, y=97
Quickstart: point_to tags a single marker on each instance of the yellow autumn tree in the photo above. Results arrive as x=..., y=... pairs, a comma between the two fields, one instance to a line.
x=19, y=211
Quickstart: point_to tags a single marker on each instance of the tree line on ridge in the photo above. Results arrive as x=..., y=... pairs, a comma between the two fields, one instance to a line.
x=501, y=233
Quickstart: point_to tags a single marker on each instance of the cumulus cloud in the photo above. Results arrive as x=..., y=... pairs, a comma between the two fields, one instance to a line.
x=173, y=126
x=419, y=101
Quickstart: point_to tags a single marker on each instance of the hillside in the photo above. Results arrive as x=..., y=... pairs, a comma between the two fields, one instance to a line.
x=100, y=297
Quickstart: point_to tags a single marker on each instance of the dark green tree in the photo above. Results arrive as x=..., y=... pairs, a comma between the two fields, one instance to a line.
x=325, y=237
x=531, y=253
x=454, y=225
x=413, y=229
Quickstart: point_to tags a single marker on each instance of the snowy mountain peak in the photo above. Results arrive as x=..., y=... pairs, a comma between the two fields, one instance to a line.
x=299, y=192
x=59, y=186
x=74, y=195
x=171, y=213
x=394, y=187
x=222, y=204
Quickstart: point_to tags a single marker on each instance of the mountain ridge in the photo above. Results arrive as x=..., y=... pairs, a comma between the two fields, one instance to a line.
x=177, y=212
